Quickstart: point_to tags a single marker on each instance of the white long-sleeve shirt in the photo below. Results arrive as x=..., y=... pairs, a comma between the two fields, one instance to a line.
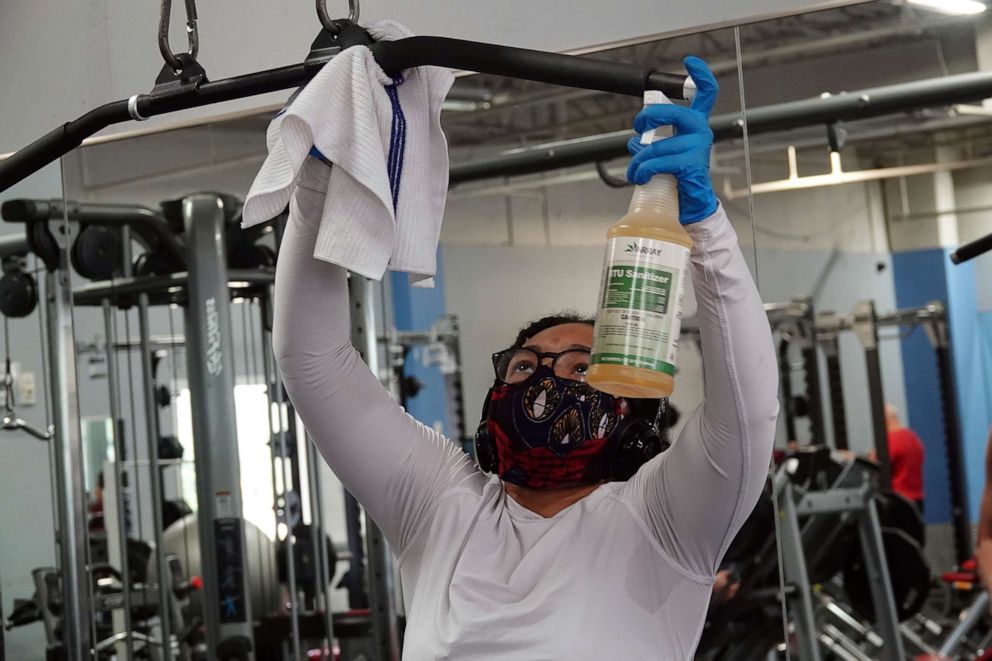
x=626, y=572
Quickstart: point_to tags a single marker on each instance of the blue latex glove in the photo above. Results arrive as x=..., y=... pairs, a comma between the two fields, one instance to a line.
x=687, y=153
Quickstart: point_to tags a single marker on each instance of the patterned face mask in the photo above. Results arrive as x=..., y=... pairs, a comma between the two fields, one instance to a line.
x=548, y=431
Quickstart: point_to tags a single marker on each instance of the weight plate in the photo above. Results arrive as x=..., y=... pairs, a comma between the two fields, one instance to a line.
x=43, y=244
x=897, y=511
x=96, y=253
x=909, y=576
x=18, y=294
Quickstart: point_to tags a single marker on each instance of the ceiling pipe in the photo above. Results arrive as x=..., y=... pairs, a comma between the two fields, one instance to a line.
x=753, y=58
x=862, y=104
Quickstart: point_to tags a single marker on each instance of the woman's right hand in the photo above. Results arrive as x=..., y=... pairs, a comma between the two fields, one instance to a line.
x=686, y=155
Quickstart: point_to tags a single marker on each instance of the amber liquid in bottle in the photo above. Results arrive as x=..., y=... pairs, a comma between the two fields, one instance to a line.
x=641, y=295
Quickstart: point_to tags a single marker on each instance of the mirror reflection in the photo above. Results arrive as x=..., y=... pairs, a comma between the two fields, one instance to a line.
x=867, y=164
x=30, y=484
x=168, y=290
x=217, y=464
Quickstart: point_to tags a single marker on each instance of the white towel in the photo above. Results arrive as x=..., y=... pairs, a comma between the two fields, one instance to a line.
x=389, y=180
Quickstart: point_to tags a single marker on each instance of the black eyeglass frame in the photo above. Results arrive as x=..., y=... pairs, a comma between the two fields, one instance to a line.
x=541, y=356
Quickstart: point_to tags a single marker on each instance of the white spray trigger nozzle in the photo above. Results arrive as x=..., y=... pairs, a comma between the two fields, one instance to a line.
x=652, y=97
x=689, y=89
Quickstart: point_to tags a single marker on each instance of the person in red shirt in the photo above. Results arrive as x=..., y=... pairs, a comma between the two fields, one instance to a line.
x=906, y=457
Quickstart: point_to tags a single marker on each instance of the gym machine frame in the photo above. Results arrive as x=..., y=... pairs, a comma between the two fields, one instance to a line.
x=16, y=247
x=446, y=334
x=798, y=320
x=860, y=502
x=206, y=266
x=382, y=590
x=72, y=533
x=65, y=435
x=795, y=322
x=206, y=287
x=865, y=322
x=798, y=323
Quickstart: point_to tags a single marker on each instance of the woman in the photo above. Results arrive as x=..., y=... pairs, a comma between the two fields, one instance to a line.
x=557, y=567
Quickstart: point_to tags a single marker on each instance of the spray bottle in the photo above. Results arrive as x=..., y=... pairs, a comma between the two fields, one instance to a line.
x=639, y=314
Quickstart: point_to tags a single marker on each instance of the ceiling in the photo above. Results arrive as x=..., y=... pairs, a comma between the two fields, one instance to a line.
x=493, y=113
x=854, y=47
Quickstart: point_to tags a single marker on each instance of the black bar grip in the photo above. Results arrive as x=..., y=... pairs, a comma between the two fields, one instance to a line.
x=393, y=56
x=972, y=250
x=58, y=142
x=526, y=64
x=35, y=156
x=26, y=211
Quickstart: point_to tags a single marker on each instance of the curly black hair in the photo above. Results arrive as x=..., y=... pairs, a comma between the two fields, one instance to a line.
x=544, y=323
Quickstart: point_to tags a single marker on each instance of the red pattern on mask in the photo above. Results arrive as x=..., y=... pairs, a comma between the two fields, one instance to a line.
x=544, y=468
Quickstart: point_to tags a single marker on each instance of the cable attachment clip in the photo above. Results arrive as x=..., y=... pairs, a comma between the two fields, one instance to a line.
x=185, y=80
x=334, y=25
x=192, y=36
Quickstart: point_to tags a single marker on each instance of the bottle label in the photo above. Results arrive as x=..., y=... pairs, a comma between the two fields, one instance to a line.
x=640, y=304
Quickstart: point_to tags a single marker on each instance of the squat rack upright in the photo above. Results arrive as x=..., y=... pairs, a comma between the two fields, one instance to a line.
x=865, y=322
x=811, y=330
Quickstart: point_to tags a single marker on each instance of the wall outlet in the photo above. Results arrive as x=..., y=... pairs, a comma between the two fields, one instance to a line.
x=27, y=393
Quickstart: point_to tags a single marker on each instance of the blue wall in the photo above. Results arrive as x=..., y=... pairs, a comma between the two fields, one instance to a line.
x=970, y=365
x=920, y=277
x=417, y=308
x=985, y=338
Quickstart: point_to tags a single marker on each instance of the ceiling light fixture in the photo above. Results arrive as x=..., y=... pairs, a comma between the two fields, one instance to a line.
x=952, y=7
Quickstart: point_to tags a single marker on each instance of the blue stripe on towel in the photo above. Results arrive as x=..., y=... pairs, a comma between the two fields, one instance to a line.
x=316, y=154
x=397, y=142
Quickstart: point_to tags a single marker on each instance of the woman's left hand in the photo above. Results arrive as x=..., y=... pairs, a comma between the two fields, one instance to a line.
x=686, y=155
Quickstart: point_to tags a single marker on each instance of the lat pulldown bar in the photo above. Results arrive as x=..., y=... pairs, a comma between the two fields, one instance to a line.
x=191, y=89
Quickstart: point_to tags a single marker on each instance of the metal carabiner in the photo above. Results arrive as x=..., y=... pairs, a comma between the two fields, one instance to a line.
x=191, y=34
x=333, y=25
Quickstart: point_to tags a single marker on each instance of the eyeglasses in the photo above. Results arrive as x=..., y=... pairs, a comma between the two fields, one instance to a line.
x=516, y=364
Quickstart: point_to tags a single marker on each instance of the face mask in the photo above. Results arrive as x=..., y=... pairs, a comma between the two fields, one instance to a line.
x=547, y=432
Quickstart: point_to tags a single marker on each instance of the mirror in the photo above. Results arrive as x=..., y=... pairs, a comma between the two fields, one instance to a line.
x=147, y=248
x=29, y=487
x=877, y=330
x=511, y=250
